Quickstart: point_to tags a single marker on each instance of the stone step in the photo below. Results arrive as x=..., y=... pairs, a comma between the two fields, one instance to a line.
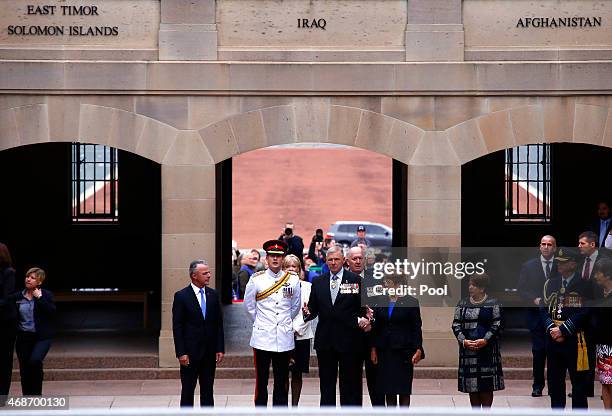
x=97, y=362
x=230, y=361
x=91, y=374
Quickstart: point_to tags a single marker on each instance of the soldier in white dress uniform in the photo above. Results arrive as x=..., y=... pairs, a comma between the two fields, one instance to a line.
x=272, y=300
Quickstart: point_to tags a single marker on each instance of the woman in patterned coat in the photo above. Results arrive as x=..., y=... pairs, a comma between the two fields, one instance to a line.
x=477, y=325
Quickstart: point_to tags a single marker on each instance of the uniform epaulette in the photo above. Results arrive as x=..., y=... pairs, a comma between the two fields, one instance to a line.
x=294, y=274
x=259, y=273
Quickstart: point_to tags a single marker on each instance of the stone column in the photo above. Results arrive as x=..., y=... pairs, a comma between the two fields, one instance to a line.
x=188, y=225
x=434, y=220
x=188, y=30
x=434, y=31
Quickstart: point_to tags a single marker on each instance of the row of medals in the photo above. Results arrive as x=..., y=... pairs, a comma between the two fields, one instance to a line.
x=560, y=303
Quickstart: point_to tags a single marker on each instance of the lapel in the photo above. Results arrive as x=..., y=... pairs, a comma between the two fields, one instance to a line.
x=326, y=292
x=208, y=294
x=341, y=296
x=345, y=279
x=576, y=280
x=194, y=301
x=396, y=310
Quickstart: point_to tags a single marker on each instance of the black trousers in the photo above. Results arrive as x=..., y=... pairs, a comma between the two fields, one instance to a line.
x=7, y=347
x=31, y=351
x=280, y=369
x=538, y=352
x=204, y=371
x=371, y=371
x=562, y=358
x=349, y=366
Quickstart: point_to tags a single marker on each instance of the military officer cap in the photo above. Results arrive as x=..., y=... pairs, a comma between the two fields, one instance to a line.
x=565, y=254
x=275, y=247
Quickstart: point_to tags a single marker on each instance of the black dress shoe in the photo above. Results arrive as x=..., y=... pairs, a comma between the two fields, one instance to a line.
x=536, y=393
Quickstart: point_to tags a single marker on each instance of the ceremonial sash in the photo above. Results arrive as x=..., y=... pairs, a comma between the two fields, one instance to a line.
x=582, y=361
x=272, y=289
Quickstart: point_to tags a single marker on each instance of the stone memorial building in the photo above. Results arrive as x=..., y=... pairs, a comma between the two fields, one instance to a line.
x=444, y=87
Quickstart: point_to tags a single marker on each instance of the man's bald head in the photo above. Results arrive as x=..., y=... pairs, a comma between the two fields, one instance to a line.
x=355, y=259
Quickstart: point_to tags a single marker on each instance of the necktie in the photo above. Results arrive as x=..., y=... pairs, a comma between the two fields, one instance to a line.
x=548, y=269
x=334, y=288
x=564, y=284
x=587, y=269
x=203, y=302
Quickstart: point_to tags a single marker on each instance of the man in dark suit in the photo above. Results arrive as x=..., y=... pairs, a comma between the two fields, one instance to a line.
x=603, y=224
x=534, y=274
x=197, y=325
x=335, y=299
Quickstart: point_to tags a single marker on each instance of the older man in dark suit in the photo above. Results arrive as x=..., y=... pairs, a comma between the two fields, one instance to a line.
x=197, y=325
x=534, y=274
x=335, y=298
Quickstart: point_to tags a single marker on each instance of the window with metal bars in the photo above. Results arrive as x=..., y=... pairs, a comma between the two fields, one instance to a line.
x=528, y=183
x=94, y=183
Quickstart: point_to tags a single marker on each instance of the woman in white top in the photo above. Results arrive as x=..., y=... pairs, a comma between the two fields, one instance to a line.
x=300, y=358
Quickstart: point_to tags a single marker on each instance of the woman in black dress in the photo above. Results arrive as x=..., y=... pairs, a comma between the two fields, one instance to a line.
x=398, y=343
x=7, y=321
x=477, y=325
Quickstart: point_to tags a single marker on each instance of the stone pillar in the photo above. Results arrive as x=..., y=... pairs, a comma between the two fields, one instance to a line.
x=188, y=30
x=188, y=226
x=434, y=220
x=434, y=31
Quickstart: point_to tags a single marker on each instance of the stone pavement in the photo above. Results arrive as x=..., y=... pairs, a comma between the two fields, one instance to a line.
x=239, y=393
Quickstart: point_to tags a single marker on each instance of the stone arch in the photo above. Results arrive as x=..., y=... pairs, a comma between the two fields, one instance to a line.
x=144, y=136
x=530, y=124
x=303, y=123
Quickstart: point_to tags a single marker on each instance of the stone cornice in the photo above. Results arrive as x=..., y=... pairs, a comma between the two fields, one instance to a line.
x=272, y=78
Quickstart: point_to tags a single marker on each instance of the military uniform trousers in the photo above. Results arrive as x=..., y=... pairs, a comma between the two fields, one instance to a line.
x=562, y=358
x=280, y=369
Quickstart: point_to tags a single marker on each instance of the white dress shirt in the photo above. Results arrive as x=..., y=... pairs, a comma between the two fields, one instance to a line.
x=273, y=316
x=543, y=261
x=603, y=228
x=196, y=290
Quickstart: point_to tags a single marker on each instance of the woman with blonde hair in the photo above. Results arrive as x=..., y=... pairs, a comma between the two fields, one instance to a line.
x=35, y=312
x=303, y=332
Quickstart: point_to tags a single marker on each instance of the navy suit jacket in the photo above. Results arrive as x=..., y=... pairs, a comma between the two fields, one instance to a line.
x=337, y=328
x=401, y=330
x=531, y=286
x=193, y=335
